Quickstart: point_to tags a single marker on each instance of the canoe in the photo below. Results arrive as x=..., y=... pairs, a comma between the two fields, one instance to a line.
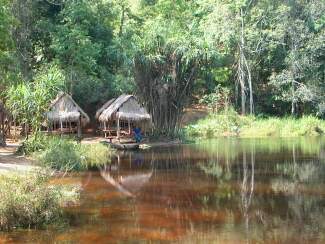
x=124, y=146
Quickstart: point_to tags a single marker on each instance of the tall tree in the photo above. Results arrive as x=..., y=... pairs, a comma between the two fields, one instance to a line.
x=167, y=61
x=295, y=82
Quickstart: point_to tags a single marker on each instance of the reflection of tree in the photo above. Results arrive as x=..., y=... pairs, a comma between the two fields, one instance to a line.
x=214, y=169
x=232, y=148
x=297, y=179
x=246, y=194
x=282, y=190
x=247, y=188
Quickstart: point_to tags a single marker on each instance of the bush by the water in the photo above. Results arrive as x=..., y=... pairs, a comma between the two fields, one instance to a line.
x=69, y=155
x=36, y=142
x=230, y=123
x=29, y=202
x=218, y=124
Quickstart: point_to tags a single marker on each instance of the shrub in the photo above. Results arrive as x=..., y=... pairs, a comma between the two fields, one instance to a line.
x=35, y=142
x=68, y=155
x=227, y=122
x=28, y=201
x=217, y=100
x=230, y=123
x=95, y=154
x=61, y=154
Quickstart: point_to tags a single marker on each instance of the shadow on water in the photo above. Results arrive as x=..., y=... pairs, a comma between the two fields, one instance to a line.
x=219, y=191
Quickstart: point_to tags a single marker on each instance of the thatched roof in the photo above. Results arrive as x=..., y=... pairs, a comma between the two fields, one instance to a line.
x=124, y=107
x=64, y=108
x=105, y=106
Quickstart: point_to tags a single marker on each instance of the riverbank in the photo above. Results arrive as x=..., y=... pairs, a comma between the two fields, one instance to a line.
x=146, y=143
x=232, y=124
x=11, y=162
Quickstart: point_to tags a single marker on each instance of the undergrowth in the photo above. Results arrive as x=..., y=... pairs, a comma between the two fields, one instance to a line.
x=28, y=201
x=230, y=123
x=68, y=155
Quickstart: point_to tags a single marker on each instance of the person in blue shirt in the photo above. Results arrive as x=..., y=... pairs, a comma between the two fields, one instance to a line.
x=137, y=134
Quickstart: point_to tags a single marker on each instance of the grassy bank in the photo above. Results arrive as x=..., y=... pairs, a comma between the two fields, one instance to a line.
x=68, y=155
x=64, y=153
x=232, y=124
x=29, y=202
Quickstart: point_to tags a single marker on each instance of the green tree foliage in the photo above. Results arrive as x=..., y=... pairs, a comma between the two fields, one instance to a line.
x=301, y=77
x=80, y=38
x=168, y=59
x=28, y=102
x=268, y=54
x=6, y=46
x=271, y=28
x=83, y=44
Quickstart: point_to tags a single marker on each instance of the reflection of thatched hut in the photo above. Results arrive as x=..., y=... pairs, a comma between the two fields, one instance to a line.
x=128, y=184
x=65, y=116
x=117, y=116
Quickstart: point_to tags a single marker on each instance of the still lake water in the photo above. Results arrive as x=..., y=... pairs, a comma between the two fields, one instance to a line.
x=217, y=191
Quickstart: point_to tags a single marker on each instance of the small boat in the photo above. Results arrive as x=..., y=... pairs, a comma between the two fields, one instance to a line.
x=123, y=146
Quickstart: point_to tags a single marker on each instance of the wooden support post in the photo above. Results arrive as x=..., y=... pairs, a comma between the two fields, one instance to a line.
x=79, y=127
x=118, y=128
x=61, y=127
x=14, y=129
x=129, y=127
x=105, y=129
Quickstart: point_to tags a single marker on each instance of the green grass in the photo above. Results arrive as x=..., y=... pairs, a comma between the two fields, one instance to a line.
x=231, y=124
x=68, y=155
x=28, y=201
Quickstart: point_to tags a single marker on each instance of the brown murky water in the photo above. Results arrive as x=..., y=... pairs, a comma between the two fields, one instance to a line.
x=218, y=191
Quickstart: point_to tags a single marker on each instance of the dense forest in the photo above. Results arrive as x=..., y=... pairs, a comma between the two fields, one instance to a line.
x=261, y=56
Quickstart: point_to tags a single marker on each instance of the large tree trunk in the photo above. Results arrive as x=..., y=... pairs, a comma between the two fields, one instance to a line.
x=22, y=11
x=2, y=140
x=241, y=66
x=293, y=72
x=244, y=71
x=164, y=87
x=249, y=80
x=3, y=126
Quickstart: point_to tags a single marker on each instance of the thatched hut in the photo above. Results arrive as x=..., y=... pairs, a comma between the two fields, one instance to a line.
x=65, y=115
x=117, y=116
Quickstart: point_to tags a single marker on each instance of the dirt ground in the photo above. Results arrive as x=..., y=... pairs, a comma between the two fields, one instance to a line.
x=9, y=161
x=193, y=114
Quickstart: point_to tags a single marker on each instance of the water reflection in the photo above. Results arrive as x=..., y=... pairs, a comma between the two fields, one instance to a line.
x=290, y=191
x=220, y=191
x=128, y=184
